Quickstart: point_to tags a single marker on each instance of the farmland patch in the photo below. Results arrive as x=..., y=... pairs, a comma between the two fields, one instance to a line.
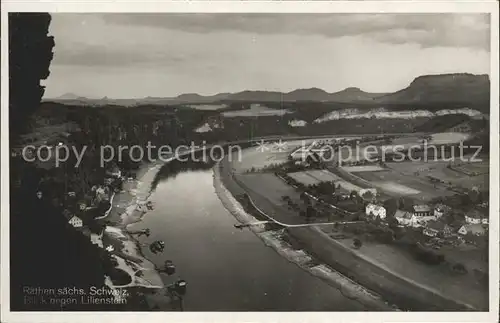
x=366, y=168
x=448, y=138
x=255, y=110
x=393, y=187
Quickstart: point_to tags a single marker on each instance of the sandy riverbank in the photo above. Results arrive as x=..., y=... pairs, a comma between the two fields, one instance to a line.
x=124, y=211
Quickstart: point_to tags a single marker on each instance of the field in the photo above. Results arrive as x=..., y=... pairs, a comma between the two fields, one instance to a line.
x=304, y=178
x=361, y=152
x=448, y=138
x=469, y=169
x=456, y=176
x=395, y=188
x=275, y=188
x=255, y=110
x=398, y=184
x=367, y=168
x=259, y=157
x=372, y=149
x=316, y=176
x=208, y=107
x=403, y=143
x=437, y=277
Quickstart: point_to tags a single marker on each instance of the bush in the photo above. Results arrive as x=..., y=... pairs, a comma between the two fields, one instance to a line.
x=459, y=268
x=357, y=243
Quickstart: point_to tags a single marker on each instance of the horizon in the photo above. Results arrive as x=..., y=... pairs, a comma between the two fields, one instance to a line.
x=107, y=55
x=247, y=90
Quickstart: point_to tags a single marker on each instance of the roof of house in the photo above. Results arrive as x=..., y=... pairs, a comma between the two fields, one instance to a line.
x=421, y=208
x=474, y=213
x=365, y=190
x=74, y=217
x=376, y=208
x=402, y=214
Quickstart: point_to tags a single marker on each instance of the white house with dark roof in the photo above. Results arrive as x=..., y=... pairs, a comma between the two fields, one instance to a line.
x=423, y=213
x=421, y=210
x=475, y=217
x=76, y=222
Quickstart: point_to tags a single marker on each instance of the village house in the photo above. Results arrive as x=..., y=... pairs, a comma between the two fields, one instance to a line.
x=475, y=217
x=376, y=211
x=406, y=219
x=476, y=229
x=102, y=193
x=462, y=127
x=76, y=222
x=82, y=205
x=421, y=210
x=440, y=210
x=434, y=228
x=114, y=172
x=423, y=213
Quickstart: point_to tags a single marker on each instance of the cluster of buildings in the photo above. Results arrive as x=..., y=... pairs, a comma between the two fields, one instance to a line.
x=78, y=211
x=432, y=220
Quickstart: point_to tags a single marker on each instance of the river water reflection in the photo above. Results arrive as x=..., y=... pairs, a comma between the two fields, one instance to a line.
x=226, y=269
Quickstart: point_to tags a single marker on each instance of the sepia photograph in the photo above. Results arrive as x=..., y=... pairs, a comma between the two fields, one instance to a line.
x=249, y=162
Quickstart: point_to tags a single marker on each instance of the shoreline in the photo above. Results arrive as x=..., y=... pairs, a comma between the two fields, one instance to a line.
x=349, y=264
x=129, y=254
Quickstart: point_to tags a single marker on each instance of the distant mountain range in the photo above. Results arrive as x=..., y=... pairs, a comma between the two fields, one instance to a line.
x=467, y=88
x=457, y=88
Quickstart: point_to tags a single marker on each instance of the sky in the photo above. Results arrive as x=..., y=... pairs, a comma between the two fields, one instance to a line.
x=130, y=55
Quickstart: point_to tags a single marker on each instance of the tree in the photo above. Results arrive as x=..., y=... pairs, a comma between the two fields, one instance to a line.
x=357, y=243
x=368, y=195
x=465, y=199
x=402, y=203
x=474, y=196
x=459, y=268
x=326, y=188
x=392, y=221
x=391, y=206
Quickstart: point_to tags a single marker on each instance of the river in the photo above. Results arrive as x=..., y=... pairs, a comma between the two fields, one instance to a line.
x=226, y=269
